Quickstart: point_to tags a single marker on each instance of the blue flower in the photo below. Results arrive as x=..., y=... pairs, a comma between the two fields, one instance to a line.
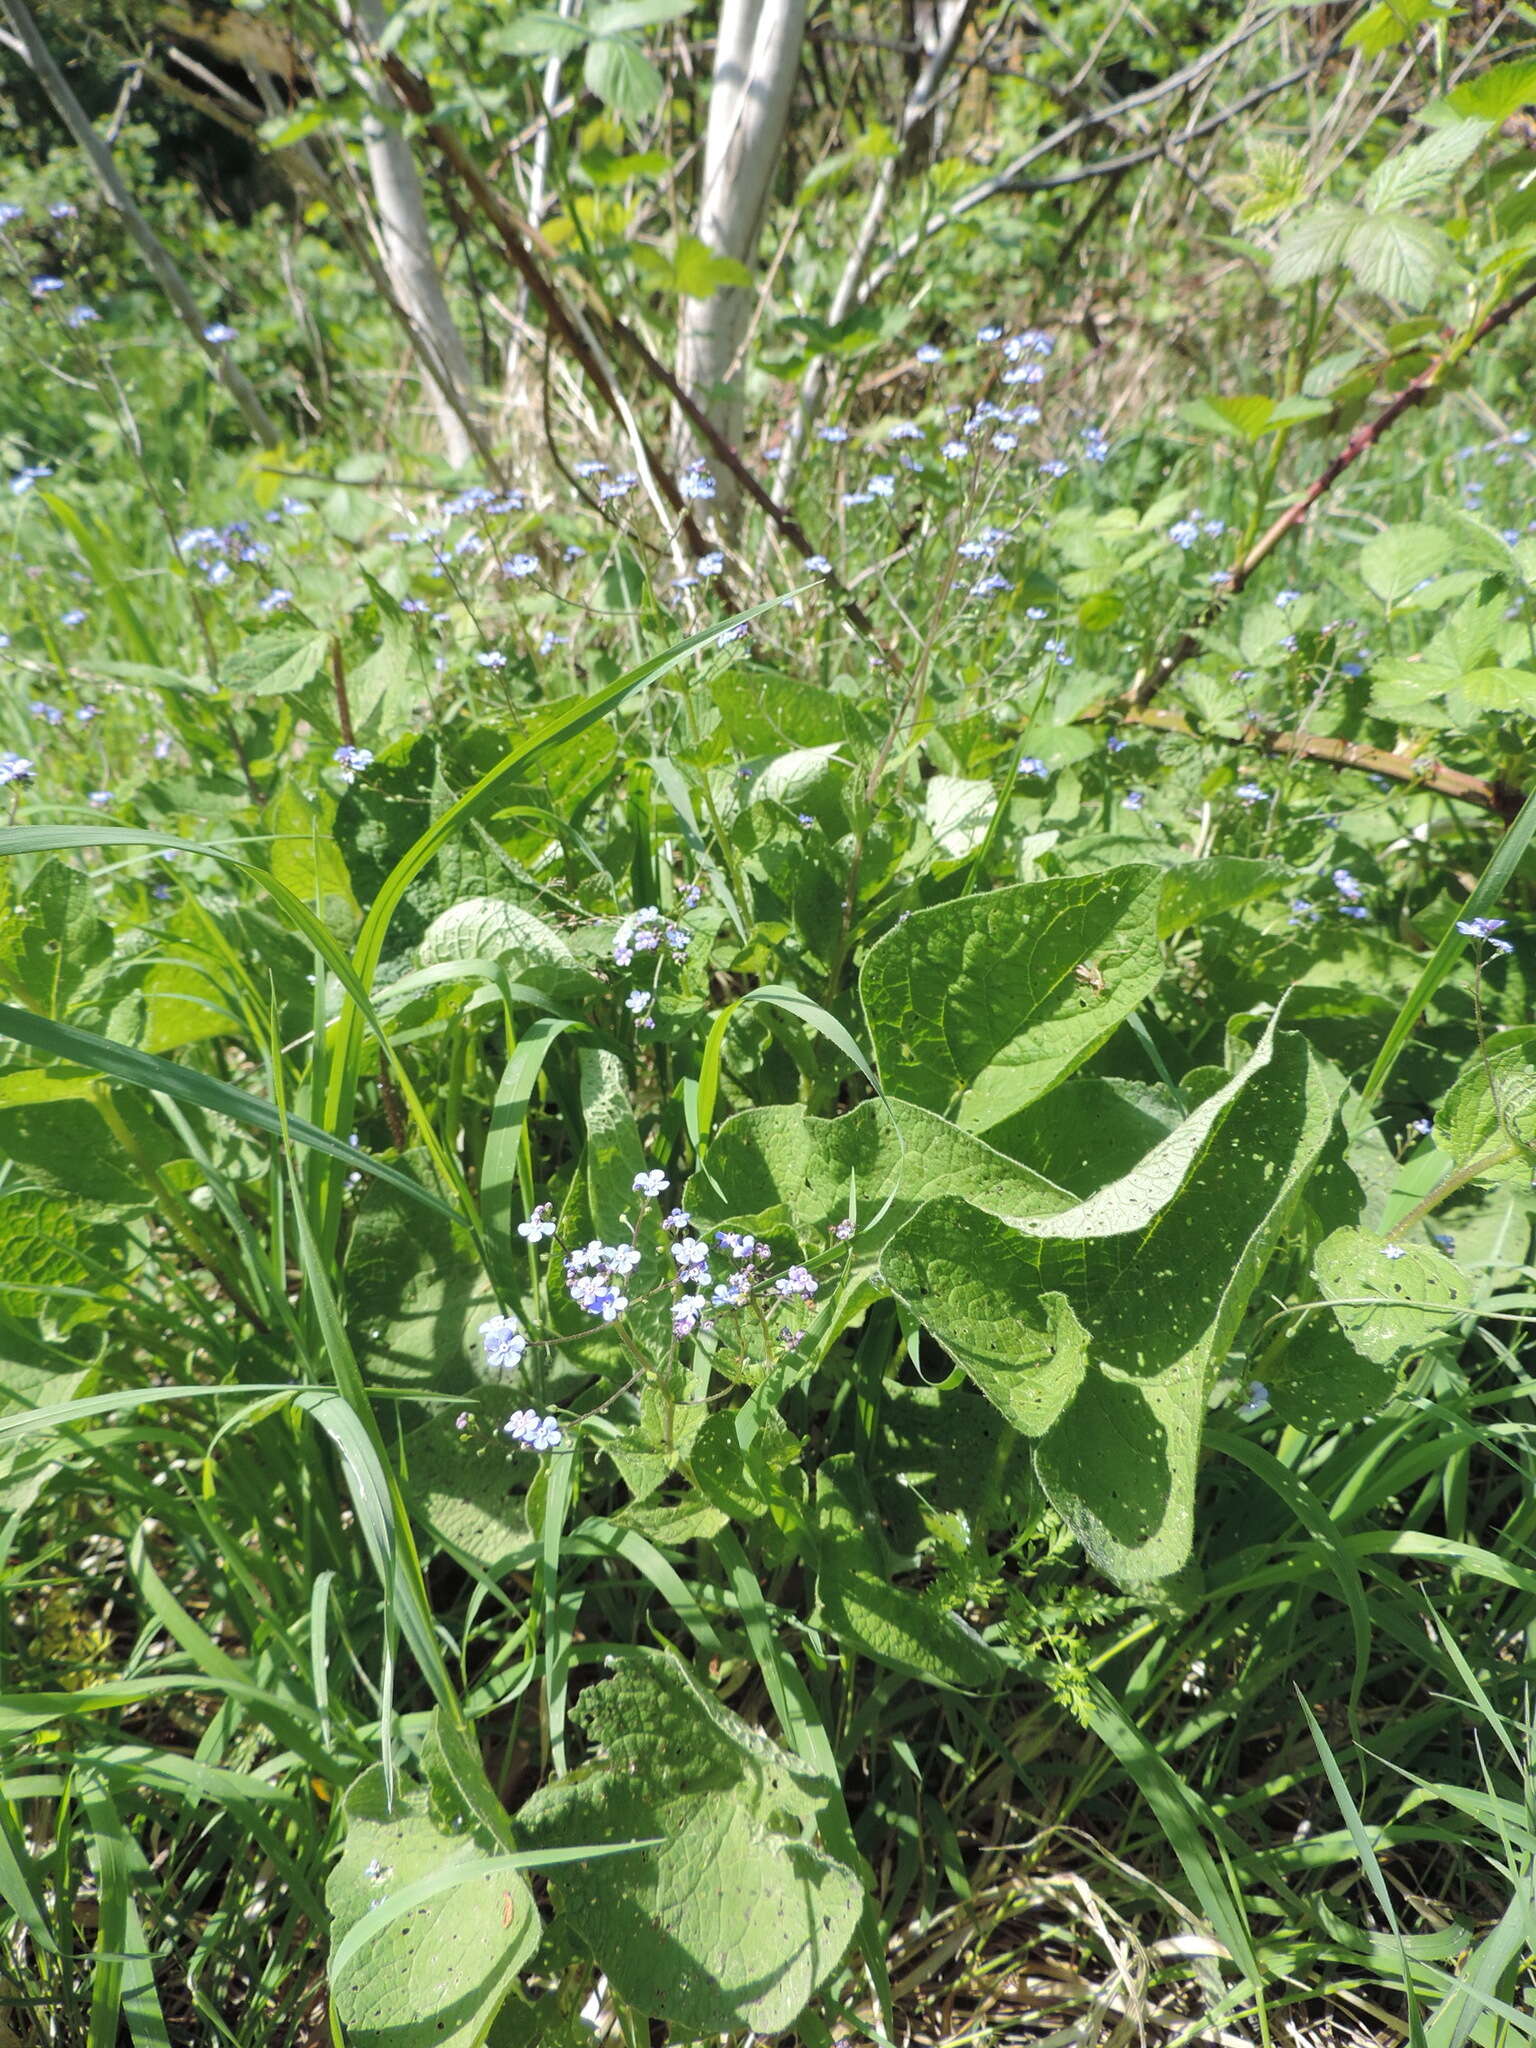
x=540, y=1224
x=504, y=1342
x=1483, y=928
x=15, y=768
x=533, y=1432
x=652, y=1183
x=1133, y=800
x=352, y=761
x=217, y=332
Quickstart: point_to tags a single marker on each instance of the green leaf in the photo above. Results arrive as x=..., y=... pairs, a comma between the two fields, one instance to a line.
x=1315, y=244
x=491, y=928
x=1247, y=417
x=621, y=16
x=1320, y=1381
x=275, y=663
x=878, y=1163
x=1100, y=1328
x=958, y=809
x=1501, y=91
x=468, y=1494
x=439, y=1971
x=1424, y=168
x=1197, y=890
x=1091, y=1130
x=735, y=1918
x=698, y=272
x=623, y=77
x=1397, y=561
x=185, y=1084
x=862, y=1607
x=52, y=945
x=976, y=1007
x=415, y=1295
x=1391, y=22
x=1397, y=256
x=541, y=33
x=1391, y=1300
x=1488, y=1117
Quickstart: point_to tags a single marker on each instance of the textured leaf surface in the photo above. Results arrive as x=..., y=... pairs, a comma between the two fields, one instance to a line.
x=438, y=1973
x=1389, y=1307
x=1199, y=889
x=813, y=1172
x=976, y=1007
x=491, y=928
x=1102, y=1324
x=1489, y=1116
x=1320, y=1380
x=1089, y=1131
x=736, y=1918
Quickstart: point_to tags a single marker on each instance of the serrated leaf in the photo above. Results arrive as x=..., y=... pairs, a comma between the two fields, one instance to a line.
x=1424, y=168
x=1394, y=563
x=1501, y=91
x=1315, y=244
x=861, y=1606
x=1248, y=417
x=621, y=75
x=698, y=272
x=735, y=1918
x=1390, y=22
x=1488, y=1117
x=977, y=1007
x=1397, y=256
x=275, y=663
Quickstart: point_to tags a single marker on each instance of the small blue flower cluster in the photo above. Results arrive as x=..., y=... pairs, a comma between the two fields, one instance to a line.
x=1483, y=929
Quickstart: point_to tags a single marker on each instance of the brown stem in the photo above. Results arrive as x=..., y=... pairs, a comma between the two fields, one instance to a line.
x=1417, y=771
x=343, y=704
x=1360, y=442
x=394, y=1108
x=516, y=238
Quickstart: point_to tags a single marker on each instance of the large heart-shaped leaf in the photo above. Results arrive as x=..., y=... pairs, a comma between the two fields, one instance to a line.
x=1098, y=1329
x=979, y=1006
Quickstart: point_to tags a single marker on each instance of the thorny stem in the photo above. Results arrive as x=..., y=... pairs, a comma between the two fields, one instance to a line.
x=1360, y=443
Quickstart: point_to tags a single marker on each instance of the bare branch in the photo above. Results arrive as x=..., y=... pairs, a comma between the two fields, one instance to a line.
x=117, y=195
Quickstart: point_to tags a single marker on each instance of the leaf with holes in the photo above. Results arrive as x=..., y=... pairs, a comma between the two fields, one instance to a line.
x=437, y=1973
x=736, y=1917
